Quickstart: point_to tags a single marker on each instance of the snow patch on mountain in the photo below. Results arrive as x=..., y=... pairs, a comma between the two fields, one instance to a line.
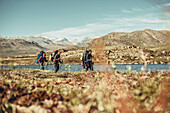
x=62, y=41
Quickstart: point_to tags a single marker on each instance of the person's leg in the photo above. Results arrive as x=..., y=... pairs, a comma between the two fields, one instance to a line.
x=86, y=67
x=57, y=67
x=41, y=66
x=92, y=66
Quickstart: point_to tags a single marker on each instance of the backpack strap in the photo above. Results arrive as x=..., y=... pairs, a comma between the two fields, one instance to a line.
x=54, y=57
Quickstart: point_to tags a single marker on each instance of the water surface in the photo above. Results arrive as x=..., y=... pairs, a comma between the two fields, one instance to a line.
x=119, y=67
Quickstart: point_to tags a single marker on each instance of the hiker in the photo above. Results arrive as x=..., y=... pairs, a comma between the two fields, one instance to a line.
x=53, y=54
x=56, y=60
x=84, y=58
x=89, y=63
x=51, y=57
x=42, y=59
x=107, y=54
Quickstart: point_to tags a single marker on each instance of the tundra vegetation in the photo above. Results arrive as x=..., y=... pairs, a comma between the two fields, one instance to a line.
x=34, y=91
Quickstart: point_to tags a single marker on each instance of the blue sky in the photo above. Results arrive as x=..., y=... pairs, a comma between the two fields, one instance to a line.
x=79, y=18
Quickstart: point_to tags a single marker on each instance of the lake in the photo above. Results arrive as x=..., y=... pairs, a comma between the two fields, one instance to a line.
x=120, y=67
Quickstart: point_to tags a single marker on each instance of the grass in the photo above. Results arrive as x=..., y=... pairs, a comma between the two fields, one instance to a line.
x=119, y=92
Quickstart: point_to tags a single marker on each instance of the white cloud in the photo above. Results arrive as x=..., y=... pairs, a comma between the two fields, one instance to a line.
x=126, y=11
x=137, y=9
x=167, y=4
x=112, y=23
x=94, y=29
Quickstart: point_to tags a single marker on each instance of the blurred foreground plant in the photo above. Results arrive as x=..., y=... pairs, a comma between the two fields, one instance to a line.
x=12, y=65
x=96, y=91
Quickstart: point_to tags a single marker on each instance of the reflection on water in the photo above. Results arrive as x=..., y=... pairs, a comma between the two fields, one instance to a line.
x=120, y=67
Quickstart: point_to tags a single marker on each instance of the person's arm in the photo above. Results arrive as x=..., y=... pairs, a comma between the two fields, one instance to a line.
x=39, y=59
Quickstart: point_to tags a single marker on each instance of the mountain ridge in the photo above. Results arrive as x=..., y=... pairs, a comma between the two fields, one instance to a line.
x=143, y=38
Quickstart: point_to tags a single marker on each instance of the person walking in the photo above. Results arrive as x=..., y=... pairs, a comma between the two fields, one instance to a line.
x=84, y=58
x=56, y=60
x=89, y=63
x=42, y=59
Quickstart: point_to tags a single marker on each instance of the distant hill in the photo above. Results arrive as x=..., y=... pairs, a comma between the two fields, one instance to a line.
x=150, y=39
x=39, y=40
x=13, y=47
x=126, y=48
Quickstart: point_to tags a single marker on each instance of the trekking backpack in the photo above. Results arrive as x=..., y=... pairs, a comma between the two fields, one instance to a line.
x=39, y=55
x=84, y=55
x=53, y=55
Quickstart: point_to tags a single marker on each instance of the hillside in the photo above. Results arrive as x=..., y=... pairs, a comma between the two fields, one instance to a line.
x=39, y=40
x=127, y=47
x=13, y=47
x=151, y=39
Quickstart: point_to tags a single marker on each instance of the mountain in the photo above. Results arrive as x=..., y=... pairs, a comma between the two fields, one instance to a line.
x=75, y=42
x=13, y=47
x=62, y=41
x=85, y=41
x=151, y=39
x=39, y=40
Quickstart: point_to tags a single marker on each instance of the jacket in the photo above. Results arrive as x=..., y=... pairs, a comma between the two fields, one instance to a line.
x=88, y=57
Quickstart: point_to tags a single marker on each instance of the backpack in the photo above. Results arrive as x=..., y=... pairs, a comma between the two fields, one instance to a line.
x=53, y=55
x=39, y=55
x=84, y=55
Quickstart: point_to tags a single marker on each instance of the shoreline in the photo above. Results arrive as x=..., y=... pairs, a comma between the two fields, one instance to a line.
x=81, y=63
